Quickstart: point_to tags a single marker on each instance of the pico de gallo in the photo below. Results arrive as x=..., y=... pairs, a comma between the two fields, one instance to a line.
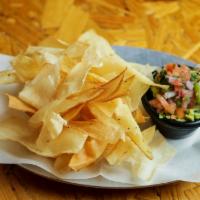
x=181, y=101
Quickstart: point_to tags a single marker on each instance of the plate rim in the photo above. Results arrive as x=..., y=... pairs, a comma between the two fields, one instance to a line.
x=76, y=183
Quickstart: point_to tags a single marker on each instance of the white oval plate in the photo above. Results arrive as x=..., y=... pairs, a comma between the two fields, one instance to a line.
x=138, y=55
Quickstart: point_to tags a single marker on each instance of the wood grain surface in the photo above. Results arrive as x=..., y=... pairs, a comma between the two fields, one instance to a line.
x=20, y=26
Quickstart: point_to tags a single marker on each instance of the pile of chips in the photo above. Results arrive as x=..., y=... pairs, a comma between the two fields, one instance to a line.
x=79, y=104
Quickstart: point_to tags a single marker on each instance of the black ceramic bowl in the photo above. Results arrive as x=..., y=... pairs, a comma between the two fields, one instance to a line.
x=169, y=128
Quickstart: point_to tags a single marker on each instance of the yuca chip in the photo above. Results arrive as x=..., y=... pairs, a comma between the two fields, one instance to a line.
x=52, y=127
x=26, y=67
x=124, y=88
x=73, y=112
x=98, y=130
x=86, y=114
x=111, y=61
x=16, y=103
x=78, y=74
x=71, y=140
x=76, y=50
x=128, y=123
x=41, y=89
x=92, y=150
x=29, y=64
x=137, y=90
x=95, y=78
x=102, y=117
x=149, y=134
x=16, y=129
x=110, y=87
x=52, y=123
x=38, y=117
x=61, y=162
x=8, y=76
x=91, y=38
x=118, y=152
x=107, y=107
x=139, y=117
x=78, y=98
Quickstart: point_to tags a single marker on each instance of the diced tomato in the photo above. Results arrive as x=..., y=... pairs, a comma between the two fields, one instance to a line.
x=185, y=72
x=170, y=68
x=156, y=104
x=176, y=82
x=169, y=107
x=178, y=90
x=176, y=71
x=180, y=112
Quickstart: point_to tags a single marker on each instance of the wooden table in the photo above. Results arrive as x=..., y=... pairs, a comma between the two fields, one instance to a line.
x=18, y=28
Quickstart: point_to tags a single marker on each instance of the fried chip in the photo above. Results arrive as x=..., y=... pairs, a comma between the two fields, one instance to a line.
x=107, y=107
x=136, y=94
x=98, y=130
x=109, y=121
x=149, y=134
x=92, y=150
x=76, y=77
x=41, y=89
x=8, y=76
x=139, y=117
x=123, y=89
x=61, y=162
x=120, y=149
x=71, y=140
x=17, y=129
x=78, y=98
x=126, y=120
x=28, y=64
x=110, y=87
x=26, y=67
x=16, y=103
x=73, y=112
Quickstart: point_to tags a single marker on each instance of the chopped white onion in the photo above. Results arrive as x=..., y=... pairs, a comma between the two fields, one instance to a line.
x=189, y=85
x=169, y=94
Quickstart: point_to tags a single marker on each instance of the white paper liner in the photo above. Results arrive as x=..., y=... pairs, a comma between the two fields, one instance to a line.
x=185, y=165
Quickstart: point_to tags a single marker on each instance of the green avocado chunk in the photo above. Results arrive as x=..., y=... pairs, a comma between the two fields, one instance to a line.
x=197, y=92
x=190, y=115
